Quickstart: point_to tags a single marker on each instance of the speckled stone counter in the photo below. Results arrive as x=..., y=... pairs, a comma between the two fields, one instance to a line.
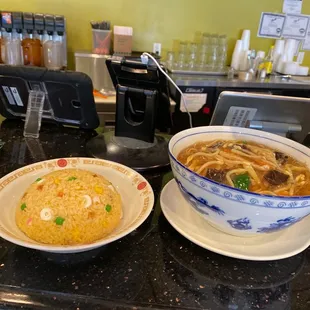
x=152, y=268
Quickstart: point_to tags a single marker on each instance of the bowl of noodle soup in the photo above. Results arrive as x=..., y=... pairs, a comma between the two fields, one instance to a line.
x=242, y=181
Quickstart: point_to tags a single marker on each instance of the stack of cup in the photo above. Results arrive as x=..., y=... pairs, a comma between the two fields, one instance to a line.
x=244, y=61
x=291, y=68
x=241, y=51
x=281, y=63
x=236, y=58
x=289, y=49
x=182, y=56
x=278, y=52
x=285, y=61
x=222, y=53
x=246, y=38
x=302, y=71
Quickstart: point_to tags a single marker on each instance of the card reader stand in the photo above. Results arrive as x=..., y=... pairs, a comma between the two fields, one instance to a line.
x=133, y=123
x=281, y=115
x=142, y=96
x=34, y=113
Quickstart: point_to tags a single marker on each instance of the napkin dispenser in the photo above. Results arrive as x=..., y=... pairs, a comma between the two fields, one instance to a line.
x=123, y=40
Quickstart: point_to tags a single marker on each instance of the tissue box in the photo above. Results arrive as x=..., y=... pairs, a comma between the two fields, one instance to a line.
x=123, y=40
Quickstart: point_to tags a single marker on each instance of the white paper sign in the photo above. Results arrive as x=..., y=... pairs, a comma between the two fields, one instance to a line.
x=238, y=116
x=271, y=25
x=194, y=102
x=306, y=45
x=296, y=26
x=292, y=6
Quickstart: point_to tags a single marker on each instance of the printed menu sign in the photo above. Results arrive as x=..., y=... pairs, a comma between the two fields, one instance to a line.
x=271, y=25
x=292, y=6
x=239, y=116
x=194, y=102
x=296, y=26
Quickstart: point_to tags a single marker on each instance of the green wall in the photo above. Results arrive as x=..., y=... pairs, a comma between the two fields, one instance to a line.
x=158, y=20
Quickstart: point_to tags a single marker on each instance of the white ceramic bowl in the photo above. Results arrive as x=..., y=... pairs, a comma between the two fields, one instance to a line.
x=232, y=210
x=136, y=193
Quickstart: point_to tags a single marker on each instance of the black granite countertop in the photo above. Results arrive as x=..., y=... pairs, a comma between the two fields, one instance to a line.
x=152, y=268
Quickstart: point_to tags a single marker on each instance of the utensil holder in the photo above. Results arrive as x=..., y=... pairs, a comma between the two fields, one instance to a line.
x=101, y=41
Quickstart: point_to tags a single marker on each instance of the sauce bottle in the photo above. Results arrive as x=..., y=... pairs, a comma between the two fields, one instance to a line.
x=268, y=62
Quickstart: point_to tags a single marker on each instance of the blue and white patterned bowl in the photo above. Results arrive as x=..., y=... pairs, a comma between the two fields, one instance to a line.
x=232, y=210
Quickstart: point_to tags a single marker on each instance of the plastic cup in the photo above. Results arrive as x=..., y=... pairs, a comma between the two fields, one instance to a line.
x=170, y=60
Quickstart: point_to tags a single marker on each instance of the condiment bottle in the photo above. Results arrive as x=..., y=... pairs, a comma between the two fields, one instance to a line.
x=269, y=61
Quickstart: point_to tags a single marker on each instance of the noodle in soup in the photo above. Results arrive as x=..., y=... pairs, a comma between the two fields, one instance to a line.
x=248, y=166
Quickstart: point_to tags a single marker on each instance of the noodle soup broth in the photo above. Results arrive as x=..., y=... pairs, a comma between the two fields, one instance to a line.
x=248, y=166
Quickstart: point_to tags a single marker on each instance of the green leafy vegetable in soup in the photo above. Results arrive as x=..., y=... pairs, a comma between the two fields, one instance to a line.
x=242, y=181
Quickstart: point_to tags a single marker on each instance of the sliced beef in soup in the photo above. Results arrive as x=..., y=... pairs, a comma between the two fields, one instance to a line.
x=275, y=177
x=241, y=146
x=216, y=175
x=215, y=146
x=281, y=158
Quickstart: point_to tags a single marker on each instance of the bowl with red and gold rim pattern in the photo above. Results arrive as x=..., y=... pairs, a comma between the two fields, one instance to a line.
x=136, y=195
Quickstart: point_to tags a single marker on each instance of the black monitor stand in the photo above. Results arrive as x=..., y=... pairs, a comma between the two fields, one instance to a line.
x=142, y=106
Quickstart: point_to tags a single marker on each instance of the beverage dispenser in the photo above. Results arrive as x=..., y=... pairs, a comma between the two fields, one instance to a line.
x=33, y=39
x=53, y=48
x=12, y=24
x=32, y=48
x=61, y=36
x=38, y=31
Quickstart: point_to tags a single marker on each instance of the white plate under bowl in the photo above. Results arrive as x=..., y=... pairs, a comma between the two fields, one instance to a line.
x=267, y=247
x=136, y=193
